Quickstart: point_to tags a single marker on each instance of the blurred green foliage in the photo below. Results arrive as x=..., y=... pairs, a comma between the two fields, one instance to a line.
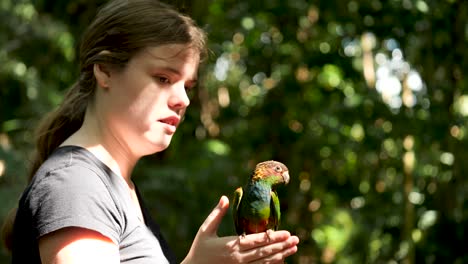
x=366, y=101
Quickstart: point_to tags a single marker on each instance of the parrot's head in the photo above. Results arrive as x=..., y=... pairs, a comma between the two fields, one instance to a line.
x=273, y=171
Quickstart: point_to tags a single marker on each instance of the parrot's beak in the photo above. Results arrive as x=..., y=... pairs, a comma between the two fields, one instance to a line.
x=285, y=177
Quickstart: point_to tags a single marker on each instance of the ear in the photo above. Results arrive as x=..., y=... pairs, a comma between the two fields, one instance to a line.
x=102, y=75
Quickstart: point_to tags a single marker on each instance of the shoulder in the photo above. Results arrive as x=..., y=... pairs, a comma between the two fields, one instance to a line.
x=66, y=179
x=69, y=168
x=71, y=178
x=70, y=190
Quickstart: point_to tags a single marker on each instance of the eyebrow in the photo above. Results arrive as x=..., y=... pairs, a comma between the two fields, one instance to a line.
x=193, y=81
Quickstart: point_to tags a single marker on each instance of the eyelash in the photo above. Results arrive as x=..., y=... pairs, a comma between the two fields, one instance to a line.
x=162, y=79
x=166, y=80
x=188, y=88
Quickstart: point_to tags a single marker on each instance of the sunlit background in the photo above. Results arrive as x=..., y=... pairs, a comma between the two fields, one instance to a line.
x=366, y=101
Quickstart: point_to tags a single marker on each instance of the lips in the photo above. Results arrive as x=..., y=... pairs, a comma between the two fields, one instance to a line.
x=170, y=123
x=172, y=120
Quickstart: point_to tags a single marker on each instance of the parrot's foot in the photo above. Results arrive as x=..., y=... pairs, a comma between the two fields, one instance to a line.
x=268, y=233
x=242, y=236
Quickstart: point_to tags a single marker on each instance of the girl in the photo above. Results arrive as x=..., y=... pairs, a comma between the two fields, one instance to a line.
x=138, y=58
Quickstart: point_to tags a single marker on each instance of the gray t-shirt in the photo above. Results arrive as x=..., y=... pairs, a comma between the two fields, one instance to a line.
x=74, y=189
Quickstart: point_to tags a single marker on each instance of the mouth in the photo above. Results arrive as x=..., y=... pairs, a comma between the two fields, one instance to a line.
x=172, y=122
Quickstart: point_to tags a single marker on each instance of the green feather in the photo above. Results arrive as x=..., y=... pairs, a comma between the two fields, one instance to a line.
x=256, y=206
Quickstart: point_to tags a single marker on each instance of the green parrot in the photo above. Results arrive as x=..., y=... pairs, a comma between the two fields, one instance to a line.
x=256, y=207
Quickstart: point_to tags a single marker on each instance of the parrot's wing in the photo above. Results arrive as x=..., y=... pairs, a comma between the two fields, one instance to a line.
x=275, y=210
x=235, y=209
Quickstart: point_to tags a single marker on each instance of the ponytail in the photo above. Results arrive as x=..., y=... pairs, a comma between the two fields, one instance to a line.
x=7, y=229
x=60, y=124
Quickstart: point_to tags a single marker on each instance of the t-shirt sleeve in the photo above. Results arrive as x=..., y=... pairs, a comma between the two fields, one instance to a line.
x=74, y=196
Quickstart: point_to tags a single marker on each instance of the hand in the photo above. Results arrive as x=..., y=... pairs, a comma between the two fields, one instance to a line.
x=207, y=247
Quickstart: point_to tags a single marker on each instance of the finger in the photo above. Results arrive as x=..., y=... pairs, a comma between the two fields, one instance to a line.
x=211, y=224
x=271, y=250
x=276, y=258
x=262, y=239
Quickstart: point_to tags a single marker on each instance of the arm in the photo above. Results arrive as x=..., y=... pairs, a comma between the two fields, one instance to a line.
x=73, y=245
x=207, y=247
x=74, y=218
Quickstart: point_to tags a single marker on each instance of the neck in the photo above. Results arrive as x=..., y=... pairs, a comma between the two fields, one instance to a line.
x=270, y=180
x=104, y=145
x=262, y=182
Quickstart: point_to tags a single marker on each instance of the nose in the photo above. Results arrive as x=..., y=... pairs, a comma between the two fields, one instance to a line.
x=178, y=99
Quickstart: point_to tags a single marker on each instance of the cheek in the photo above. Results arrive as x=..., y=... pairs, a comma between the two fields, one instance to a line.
x=128, y=86
x=146, y=108
x=122, y=98
x=182, y=112
x=141, y=108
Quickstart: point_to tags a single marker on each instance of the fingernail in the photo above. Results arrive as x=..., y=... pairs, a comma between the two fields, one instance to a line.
x=222, y=201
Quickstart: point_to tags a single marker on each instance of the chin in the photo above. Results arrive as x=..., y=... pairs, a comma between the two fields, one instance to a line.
x=156, y=143
x=160, y=145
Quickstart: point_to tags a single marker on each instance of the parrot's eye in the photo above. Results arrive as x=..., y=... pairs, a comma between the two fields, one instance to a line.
x=278, y=169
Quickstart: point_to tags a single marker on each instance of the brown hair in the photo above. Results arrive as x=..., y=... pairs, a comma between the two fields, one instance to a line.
x=123, y=28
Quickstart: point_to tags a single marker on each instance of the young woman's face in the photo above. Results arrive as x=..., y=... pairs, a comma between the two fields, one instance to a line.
x=145, y=102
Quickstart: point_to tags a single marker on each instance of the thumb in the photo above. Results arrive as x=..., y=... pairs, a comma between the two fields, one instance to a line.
x=211, y=224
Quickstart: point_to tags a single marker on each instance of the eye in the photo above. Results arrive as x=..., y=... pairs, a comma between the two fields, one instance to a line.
x=190, y=85
x=162, y=79
x=278, y=169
